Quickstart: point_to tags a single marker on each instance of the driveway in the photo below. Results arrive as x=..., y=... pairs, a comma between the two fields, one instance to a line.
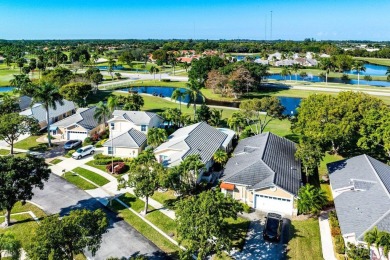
x=121, y=240
x=257, y=248
x=55, y=151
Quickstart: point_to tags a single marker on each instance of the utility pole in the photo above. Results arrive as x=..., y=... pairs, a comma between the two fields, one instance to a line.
x=271, y=27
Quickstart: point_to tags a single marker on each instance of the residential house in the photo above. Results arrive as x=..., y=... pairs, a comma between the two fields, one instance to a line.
x=128, y=131
x=199, y=138
x=39, y=113
x=361, y=192
x=24, y=102
x=261, y=61
x=78, y=126
x=285, y=62
x=264, y=174
x=275, y=56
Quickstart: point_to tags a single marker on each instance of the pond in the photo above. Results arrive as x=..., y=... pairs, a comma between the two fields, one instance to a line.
x=289, y=103
x=6, y=89
x=313, y=78
x=371, y=69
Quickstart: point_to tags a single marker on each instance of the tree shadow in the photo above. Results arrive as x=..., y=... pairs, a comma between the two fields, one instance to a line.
x=292, y=137
x=289, y=232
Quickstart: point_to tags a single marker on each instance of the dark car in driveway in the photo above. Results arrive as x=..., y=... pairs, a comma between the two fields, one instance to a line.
x=273, y=227
x=71, y=144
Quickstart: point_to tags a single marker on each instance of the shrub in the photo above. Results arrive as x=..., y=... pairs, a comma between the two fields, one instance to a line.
x=247, y=209
x=104, y=135
x=335, y=231
x=69, y=153
x=101, y=159
x=166, y=80
x=95, y=137
x=87, y=141
x=339, y=244
x=119, y=167
x=100, y=143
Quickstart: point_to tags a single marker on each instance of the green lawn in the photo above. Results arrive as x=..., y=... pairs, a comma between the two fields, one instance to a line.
x=99, y=167
x=140, y=225
x=30, y=143
x=328, y=158
x=379, y=61
x=328, y=190
x=240, y=227
x=78, y=181
x=55, y=161
x=94, y=177
x=4, y=152
x=305, y=243
x=164, y=197
x=24, y=228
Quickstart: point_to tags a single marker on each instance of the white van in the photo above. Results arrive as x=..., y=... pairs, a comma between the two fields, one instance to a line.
x=83, y=151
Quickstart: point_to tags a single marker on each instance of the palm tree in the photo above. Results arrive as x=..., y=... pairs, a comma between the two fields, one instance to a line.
x=358, y=66
x=311, y=199
x=285, y=72
x=156, y=136
x=111, y=64
x=215, y=117
x=193, y=91
x=220, y=157
x=20, y=81
x=178, y=95
x=152, y=70
x=102, y=112
x=95, y=58
x=326, y=64
x=112, y=103
x=173, y=62
x=373, y=237
x=48, y=95
x=236, y=121
x=295, y=68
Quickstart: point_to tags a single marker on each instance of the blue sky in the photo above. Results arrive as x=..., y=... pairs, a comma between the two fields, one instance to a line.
x=198, y=19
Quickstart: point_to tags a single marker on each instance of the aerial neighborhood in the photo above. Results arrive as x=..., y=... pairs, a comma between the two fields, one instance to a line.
x=192, y=148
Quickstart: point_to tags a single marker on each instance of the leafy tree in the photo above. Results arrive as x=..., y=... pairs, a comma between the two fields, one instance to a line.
x=202, y=223
x=310, y=154
x=241, y=79
x=102, y=112
x=254, y=108
x=203, y=113
x=96, y=78
x=10, y=245
x=215, y=117
x=111, y=64
x=172, y=115
x=126, y=57
x=311, y=199
x=20, y=62
x=217, y=82
x=134, y=102
x=358, y=252
x=13, y=125
x=48, y=95
x=9, y=104
x=112, y=103
x=76, y=92
x=20, y=82
x=64, y=237
x=79, y=52
x=358, y=66
x=59, y=76
x=156, y=136
x=200, y=68
x=178, y=95
x=18, y=177
x=143, y=176
x=90, y=71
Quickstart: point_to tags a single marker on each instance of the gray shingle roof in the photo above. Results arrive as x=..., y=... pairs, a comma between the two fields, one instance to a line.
x=39, y=113
x=198, y=138
x=83, y=117
x=365, y=202
x=130, y=139
x=24, y=102
x=137, y=117
x=264, y=160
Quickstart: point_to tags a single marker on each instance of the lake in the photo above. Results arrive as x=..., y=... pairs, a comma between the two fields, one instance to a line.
x=313, y=78
x=289, y=103
x=6, y=89
x=371, y=69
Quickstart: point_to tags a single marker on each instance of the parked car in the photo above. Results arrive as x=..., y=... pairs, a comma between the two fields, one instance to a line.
x=273, y=227
x=83, y=151
x=69, y=145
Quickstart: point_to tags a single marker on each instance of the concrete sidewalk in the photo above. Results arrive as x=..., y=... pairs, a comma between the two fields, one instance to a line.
x=326, y=237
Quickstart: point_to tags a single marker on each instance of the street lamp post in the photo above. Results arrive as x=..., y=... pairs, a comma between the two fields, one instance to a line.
x=112, y=149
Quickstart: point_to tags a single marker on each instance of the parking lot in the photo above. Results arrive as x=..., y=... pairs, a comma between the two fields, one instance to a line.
x=257, y=248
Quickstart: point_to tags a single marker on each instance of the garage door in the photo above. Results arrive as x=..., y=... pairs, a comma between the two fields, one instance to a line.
x=77, y=135
x=274, y=204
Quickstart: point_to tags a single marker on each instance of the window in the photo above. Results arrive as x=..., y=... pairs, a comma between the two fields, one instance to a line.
x=112, y=126
x=143, y=128
x=110, y=150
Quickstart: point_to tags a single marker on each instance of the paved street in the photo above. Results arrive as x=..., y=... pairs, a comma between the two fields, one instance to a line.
x=121, y=240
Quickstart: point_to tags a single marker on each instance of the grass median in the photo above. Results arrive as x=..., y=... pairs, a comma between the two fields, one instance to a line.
x=78, y=181
x=92, y=176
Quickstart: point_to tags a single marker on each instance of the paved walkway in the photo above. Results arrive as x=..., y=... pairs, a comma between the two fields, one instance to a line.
x=326, y=238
